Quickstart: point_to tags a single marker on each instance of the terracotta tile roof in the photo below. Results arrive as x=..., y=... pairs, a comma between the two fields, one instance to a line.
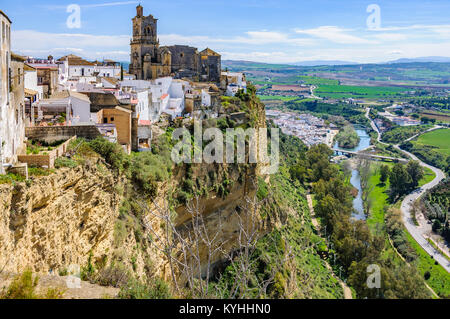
x=145, y=122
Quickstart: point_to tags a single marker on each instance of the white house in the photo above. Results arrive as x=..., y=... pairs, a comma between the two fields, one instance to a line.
x=76, y=106
x=234, y=81
x=31, y=81
x=12, y=131
x=163, y=95
x=71, y=66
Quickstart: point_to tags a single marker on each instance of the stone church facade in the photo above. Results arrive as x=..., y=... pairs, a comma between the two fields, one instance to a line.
x=149, y=61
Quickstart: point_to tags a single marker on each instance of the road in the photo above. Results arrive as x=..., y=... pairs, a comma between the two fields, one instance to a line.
x=418, y=232
x=374, y=127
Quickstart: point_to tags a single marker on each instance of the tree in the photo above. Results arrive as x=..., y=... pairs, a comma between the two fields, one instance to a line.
x=400, y=180
x=384, y=173
x=416, y=173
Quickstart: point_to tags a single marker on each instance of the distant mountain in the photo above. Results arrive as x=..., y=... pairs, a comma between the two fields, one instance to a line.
x=323, y=62
x=422, y=59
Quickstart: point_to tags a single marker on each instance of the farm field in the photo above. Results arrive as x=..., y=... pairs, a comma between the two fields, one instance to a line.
x=440, y=139
x=362, y=92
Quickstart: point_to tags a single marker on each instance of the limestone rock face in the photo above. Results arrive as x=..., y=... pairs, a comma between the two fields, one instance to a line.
x=58, y=219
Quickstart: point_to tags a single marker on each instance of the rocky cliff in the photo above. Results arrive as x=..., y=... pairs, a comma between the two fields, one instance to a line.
x=57, y=220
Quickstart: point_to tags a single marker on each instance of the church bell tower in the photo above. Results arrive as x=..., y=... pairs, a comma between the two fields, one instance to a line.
x=144, y=45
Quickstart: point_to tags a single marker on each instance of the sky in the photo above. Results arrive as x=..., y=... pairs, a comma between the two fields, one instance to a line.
x=274, y=31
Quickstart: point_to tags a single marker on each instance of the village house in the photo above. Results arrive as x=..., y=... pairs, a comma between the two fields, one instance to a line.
x=108, y=69
x=33, y=91
x=47, y=75
x=12, y=107
x=232, y=82
x=63, y=108
x=122, y=119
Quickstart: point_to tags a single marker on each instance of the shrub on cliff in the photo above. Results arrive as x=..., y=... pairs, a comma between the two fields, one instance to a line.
x=111, y=152
x=24, y=287
x=157, y=289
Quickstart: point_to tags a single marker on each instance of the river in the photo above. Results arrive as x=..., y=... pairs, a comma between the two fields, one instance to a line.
x=355, y=180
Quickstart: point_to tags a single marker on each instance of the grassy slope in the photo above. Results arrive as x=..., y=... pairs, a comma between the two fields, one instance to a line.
x=439, y=139
x=440, y=279
x=299, y=232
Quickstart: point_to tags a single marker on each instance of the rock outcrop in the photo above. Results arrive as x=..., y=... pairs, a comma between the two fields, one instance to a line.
x=58, y=220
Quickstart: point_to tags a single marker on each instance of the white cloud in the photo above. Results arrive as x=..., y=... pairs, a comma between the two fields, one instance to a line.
x=391, y=36
x=334, y=34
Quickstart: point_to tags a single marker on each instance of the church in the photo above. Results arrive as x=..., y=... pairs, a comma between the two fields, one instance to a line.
x=149, y=61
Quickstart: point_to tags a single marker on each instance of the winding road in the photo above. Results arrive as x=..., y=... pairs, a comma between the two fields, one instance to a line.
x=418, y=232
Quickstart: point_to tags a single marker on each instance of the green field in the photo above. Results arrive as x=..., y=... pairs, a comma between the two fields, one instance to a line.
x=312, y=80
x=277, y=98
x=440, y=139
x=361, y=92
x=379, y=195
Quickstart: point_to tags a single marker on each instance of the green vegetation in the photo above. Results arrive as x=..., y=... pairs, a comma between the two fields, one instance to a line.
x=439, y=140
x=389, y=218
x=347, y=137
x=355, y=246
x=24, y=286
x=438, y=277
x=432, y=148
x=351, y=113
x=135, y=289
x=400, y=133
x=358, y=92
x=435, y=205
x=404, y=179
x=65, y=162
x=11, y=178
x=313, y=80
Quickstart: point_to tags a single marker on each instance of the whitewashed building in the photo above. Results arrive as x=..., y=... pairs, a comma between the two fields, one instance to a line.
x=12, y=132
x=233, y=81
x=163, y=95
x=75, y=106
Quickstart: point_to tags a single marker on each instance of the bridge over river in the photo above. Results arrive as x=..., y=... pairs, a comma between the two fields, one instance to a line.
x=378, y=157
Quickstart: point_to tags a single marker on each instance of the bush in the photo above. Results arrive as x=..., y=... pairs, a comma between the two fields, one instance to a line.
x=24, y=287
x=158, y=289
x=37, y=171
x=111, y=152
x=65, y=162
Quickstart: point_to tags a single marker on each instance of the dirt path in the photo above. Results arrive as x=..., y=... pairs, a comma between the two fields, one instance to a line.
x=345, y=288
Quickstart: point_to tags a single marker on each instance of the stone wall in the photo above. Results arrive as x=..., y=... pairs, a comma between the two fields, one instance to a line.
x=48, y=159
x=51, y=134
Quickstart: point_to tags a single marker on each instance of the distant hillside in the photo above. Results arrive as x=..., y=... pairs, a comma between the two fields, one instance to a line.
x=439, y=59
x=323, y=62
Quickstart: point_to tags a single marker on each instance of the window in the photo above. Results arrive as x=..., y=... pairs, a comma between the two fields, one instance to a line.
x=112, y=119
x=105, y=120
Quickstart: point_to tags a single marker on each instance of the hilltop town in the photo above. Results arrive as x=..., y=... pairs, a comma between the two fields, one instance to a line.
x=55, y=99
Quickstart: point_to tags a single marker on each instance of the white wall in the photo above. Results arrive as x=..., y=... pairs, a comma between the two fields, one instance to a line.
x=77, y=70
x=81, y=110
x=108, y=71
x=30, y=83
